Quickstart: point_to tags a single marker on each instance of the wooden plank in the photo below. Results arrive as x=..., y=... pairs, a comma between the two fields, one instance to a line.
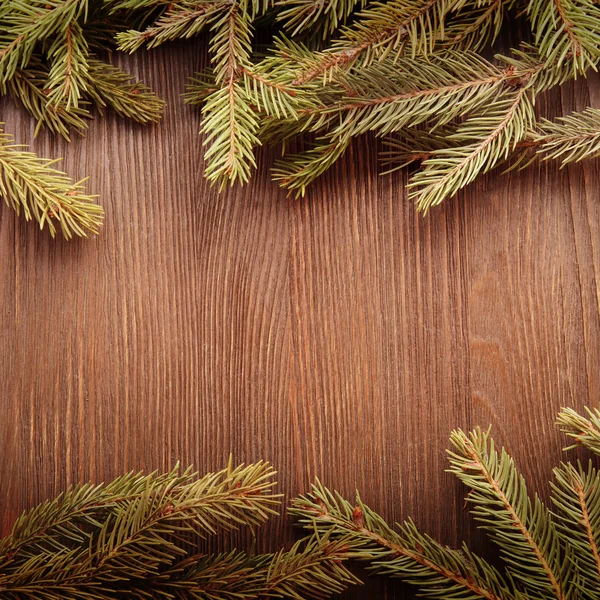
x=340, y=335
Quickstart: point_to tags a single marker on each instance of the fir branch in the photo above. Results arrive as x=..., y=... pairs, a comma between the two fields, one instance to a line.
x=312, y=568
x=414, y=145
x=199, y=87
x=110, y=86
x=326, y=16
x=476, y=24
x=69, y=72
x=438, y=571
x=31, y=185
x=94, y=539
x=572, y=138
x=585, y=431
x=180, y=20
x=272, y=93
x=390, y=97
x=486, y=138
x=230, y=122
x=522, y=529
x=381, y=30
x=567, y=31
x=297, y=171
x=577, y=496
x=27, y=24
x=27, y=86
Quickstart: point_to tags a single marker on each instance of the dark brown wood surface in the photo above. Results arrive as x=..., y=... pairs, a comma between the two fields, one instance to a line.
x=340, y=336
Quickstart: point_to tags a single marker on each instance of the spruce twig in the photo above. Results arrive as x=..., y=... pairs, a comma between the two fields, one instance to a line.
x=32, y=186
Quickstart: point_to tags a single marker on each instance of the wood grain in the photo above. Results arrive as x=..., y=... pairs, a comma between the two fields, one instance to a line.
x=340, y=336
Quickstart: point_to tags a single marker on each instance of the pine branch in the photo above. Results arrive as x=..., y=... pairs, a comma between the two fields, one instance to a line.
x=109, y=86
x=486, y=138
x=184, y=19
x=27, y=86
x=381, y=30
x=312, y=568
x=95, y=540
x=391, y=97
x=585, y=431
x=567, y=31
x=27, y=24
x=522, y=529
x=414, y=145
x=572, y=138
x=577, y=496
x=476, y=24
x=438, y=571
x=69, y=73
x=299, y=170
x=199, y=87
x=31, y=185
x=326, y=16
x=272, y=93
x=230, y=122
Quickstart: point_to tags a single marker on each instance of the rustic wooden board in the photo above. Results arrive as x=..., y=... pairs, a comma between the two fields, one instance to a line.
x=340, y=336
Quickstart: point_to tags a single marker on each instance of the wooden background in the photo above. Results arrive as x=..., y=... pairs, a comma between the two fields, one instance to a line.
x=340, y=336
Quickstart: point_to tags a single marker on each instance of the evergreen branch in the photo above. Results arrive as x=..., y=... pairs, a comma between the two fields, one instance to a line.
x=298, y=16
x=131, y=5
x=577, y=495
x=109, y=86
x=180, y=20
x=95, y=539
x=199, y=87
x=567, y=31
x=524, y=531
x=390, y=97
x=273, y=94
x=230, y=122
x=230, y=125
x=485, y=139
x=28, y=23
x=381, y=30
x=30, y=184
x=28, y=87
x=438, y=571
x=585, y=431
x=300, y=170
x=77, y=511
x=476, y=25
x=312, y=568
x=571, y=138
x=68, y=76
x=414, y=145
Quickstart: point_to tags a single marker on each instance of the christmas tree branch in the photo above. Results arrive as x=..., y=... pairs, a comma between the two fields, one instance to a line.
x=440, y=572
x=110, y=86
x=94, y=539
x=567, y=31
x=577, y=495
x=524, y=531
x=69, y=72
x=30, y=184
x=584, y=430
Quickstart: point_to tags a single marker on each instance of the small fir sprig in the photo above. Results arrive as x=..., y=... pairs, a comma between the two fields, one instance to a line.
x=33, y=187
